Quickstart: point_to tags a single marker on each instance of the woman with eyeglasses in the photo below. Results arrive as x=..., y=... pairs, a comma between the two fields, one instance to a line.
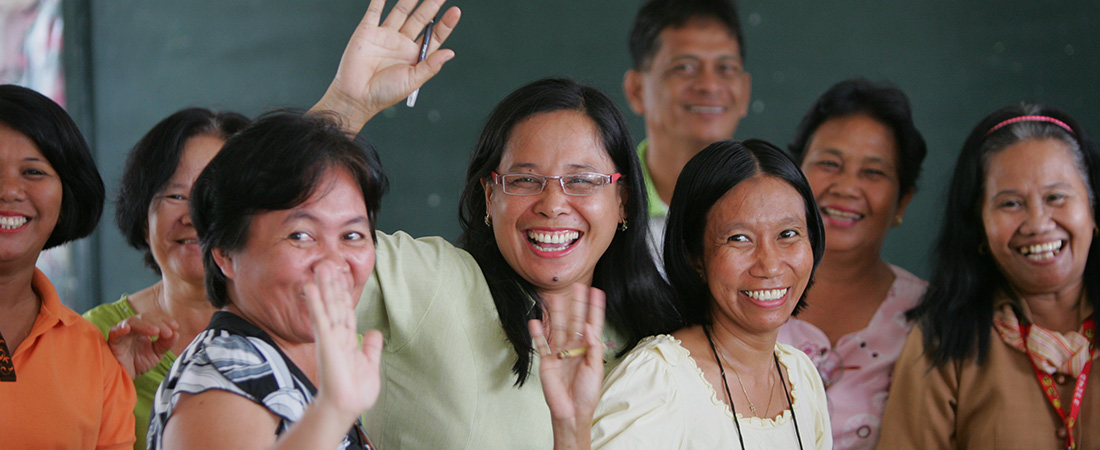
x=554, y=198
x=742, y=243
x=862, y=155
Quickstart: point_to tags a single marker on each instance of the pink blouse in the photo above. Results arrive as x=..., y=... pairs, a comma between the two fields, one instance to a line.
x=857, y=371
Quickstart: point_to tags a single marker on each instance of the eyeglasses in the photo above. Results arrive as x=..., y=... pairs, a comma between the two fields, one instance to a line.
x=576, y=184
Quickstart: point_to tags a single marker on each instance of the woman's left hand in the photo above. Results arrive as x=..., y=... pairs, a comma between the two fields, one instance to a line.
x=349, y=376
x=571, y=382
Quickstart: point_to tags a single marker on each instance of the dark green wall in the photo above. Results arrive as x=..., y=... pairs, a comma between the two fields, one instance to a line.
x=957, y=61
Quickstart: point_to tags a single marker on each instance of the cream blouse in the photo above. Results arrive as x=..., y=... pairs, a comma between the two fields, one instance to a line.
x=658, y=398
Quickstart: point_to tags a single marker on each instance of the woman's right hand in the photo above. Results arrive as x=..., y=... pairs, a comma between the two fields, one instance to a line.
x=379, y=66
x=132, y=342
x=571, y=383
x=349, y=374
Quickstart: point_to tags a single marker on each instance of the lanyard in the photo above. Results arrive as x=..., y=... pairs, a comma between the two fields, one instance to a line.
x=1051, y=390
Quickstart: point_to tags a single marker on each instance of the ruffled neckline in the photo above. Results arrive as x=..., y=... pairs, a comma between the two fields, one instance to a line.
x=763, y=422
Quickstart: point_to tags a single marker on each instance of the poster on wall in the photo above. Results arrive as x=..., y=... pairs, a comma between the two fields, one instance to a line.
x=30, y=56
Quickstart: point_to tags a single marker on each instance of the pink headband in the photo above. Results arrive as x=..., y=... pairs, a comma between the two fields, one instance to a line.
x=1030, y=119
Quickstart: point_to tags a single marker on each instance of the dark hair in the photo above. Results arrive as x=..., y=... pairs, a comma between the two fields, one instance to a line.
x=657, y=15
x=882, y=102
x=57, y=137
x=956, y=314
x=639, y=301
x=152, y=162
x=275, y=164
x=705, y=179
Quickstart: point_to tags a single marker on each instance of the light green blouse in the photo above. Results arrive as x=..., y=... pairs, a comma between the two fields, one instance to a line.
x=446, y=366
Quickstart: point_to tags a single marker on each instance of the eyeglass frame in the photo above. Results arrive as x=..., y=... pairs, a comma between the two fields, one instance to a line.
x=498, y=178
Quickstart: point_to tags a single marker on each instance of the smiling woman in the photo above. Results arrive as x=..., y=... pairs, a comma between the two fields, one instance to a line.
x=60, y=386
x=152, y=212
x=743, y=240
x=1007, y=332
x=285, y=213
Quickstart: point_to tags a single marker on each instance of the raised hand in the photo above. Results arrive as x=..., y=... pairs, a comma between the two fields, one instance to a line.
x=571, y=380
x=349, y=376
x=379, y=66
x=132, y=343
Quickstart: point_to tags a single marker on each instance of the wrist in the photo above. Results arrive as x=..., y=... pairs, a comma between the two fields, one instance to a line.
x=353, y=114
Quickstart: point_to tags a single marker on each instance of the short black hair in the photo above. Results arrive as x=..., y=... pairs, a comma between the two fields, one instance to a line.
x=152, y=162
x=705, y=179
x=884, y=103
x=657, y=15
x=639, y=301
x=274, y=164
x=956, y=313
x=57, y=137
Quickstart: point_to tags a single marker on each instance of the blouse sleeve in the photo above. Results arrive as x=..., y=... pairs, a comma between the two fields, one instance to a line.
x=116, y=430
x=921, y=409
x=637, y=407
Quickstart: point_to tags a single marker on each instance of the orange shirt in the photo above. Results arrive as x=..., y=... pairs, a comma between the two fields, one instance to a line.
x=70, y=391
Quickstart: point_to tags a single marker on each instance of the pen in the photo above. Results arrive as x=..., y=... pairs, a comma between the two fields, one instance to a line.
x=423, y=54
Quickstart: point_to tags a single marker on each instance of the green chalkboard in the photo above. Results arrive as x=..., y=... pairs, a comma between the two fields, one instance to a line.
x=956, y=60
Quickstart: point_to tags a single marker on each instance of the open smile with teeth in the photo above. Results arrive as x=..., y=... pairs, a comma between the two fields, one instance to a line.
x=555, y=241
x=1040, y=252
x=707, y=109
x=766, y=295
x=841, y=215
x=11, y=223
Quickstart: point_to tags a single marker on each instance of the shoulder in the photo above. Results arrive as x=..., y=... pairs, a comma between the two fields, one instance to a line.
x=108, y=315
x=656, y=361
x=797, y=363
x=661, y=349
x=906, y=284
x=401, y=247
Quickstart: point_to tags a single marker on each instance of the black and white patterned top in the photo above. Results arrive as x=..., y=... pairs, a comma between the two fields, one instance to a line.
x=235, y=356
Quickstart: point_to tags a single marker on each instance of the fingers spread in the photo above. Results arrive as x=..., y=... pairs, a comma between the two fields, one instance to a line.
x=535, y=327
x=398, y=14
x=443, y=27
x=374, y=13
x=420, y=18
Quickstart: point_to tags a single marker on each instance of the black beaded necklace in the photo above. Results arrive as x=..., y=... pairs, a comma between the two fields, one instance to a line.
x=722, y=372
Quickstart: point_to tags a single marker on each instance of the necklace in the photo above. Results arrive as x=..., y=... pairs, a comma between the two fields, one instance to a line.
x=726, y=386
x=752, y=407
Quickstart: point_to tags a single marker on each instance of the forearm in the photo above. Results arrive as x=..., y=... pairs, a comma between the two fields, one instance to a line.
x=322, y=426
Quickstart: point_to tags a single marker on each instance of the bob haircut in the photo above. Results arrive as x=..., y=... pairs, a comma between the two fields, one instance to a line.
x=639, y=301
x=152, y=162
x=274, y=164
x=956, y=314
x=705, y=179
x=57, y=137
x=657, y=15
x=882, y=102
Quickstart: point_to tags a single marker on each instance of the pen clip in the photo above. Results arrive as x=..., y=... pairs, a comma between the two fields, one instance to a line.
x=411, y=101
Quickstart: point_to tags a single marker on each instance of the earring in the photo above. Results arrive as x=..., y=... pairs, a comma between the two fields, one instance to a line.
x=488, y=220
x=897, y=220
x=622, y=225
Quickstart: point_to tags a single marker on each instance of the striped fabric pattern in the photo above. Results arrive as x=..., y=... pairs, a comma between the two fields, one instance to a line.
x=230, y=355
x=1051, y=351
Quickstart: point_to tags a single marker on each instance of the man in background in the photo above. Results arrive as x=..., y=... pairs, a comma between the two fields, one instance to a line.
x=689, y=83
